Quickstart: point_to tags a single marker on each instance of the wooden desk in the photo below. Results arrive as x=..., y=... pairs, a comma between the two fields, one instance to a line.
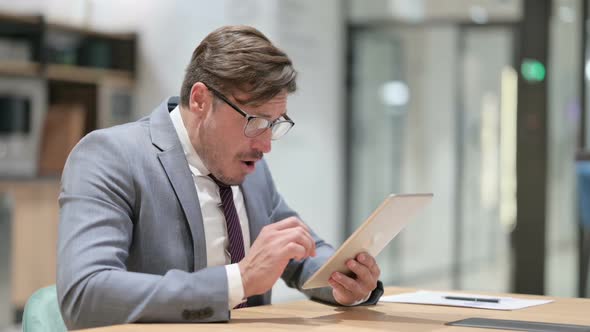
x=311, y=316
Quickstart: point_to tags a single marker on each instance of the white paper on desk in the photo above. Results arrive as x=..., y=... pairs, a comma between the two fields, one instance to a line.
x=437, y=298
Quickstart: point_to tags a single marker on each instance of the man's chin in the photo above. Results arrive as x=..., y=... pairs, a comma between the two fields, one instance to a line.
x=235, y=180
x=238, y=175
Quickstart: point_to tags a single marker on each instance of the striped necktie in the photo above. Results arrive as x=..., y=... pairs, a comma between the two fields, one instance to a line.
x=234, y=229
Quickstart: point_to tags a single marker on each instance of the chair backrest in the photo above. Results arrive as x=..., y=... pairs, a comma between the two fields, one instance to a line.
x=42, y=312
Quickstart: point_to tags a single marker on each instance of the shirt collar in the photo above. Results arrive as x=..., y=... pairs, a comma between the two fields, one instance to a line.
x=194, y=161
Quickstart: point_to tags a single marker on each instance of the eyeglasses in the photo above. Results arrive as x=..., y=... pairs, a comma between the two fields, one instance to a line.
x=256, y=125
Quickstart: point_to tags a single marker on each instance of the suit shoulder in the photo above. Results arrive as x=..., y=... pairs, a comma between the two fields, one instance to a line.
x=121, y=136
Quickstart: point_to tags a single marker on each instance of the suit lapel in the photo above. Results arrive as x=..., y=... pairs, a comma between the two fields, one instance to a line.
x=254, y=207
x=174, y=162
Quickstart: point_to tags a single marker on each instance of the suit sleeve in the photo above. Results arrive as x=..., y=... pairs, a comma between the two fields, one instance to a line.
x=97, y=207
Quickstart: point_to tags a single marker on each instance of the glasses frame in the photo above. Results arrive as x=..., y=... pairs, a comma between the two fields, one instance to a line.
x=249, y=118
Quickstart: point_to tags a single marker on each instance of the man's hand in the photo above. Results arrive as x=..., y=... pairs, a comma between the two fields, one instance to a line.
x=348, y=291
x=276, y=244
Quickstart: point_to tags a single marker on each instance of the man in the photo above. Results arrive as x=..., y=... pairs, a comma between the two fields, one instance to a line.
x=175, y=218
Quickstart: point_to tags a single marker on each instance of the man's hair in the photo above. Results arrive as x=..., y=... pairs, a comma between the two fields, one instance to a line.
x=239, y=58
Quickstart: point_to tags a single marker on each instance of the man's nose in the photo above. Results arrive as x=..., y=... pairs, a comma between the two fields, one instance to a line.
x=262, y=142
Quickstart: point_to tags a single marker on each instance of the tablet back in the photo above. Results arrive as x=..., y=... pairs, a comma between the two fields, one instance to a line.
x=373, y=235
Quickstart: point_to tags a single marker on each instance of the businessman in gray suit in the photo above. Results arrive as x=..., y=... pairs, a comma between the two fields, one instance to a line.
x=175, y=217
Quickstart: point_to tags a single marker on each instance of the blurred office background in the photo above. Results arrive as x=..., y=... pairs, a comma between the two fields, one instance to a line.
x=482, y=102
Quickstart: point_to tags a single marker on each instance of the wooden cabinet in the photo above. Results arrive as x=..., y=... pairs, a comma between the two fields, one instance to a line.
x=35, y=216
x=72, y=68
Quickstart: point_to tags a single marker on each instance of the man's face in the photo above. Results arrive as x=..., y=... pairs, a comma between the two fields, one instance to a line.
x=220, y=140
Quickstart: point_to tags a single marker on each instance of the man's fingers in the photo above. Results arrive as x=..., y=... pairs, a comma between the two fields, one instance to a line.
x=304, y=234
x=295, y=251
x=369, y=261
x=375, y=271
x=292, y=229
x=288, y=223
x=364, y=276
x=341, y=294
x=276, y=244
x=366, y=259
x=350, y=284
x=303, y=237
x=300, y=236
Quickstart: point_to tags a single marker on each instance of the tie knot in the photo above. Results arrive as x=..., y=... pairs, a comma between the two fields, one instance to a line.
x=218, y=182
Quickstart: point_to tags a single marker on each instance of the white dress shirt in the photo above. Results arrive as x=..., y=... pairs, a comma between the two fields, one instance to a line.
x=213, y=218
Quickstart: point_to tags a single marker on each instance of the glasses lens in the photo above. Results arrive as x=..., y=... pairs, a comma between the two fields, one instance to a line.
x=256, y=126
x=280, y=129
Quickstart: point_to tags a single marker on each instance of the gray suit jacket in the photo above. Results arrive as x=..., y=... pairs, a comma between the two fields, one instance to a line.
x=131, y=242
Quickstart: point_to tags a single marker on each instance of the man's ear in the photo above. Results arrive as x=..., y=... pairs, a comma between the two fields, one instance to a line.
x=200, y=99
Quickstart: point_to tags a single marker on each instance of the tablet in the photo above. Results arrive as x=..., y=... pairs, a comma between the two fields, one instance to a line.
x=372, y=236
x=518, y=325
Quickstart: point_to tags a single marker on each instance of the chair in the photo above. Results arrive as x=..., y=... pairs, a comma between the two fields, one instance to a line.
x=42, y=312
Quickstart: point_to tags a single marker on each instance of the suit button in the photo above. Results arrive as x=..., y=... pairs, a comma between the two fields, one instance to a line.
x=196, y=315
x=207, y=312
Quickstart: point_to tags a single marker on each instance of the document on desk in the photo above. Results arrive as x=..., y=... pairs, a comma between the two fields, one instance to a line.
x=463, y=300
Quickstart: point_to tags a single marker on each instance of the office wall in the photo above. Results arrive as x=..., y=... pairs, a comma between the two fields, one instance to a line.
x=307, y=163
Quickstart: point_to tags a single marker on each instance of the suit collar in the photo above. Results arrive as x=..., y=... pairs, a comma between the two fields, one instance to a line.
x=162, y=130
x=195, y=162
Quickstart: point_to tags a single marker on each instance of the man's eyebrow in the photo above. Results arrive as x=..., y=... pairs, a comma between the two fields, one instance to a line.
x=269, y=117
x=280, y=116
x=266, y=116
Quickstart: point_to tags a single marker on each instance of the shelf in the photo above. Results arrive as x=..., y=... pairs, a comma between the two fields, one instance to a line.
x=18, y=18
x=88, y=32
x=25, y=179
x=19, y=68
x=66, y=73
x=43, y=48
x=89, y=75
